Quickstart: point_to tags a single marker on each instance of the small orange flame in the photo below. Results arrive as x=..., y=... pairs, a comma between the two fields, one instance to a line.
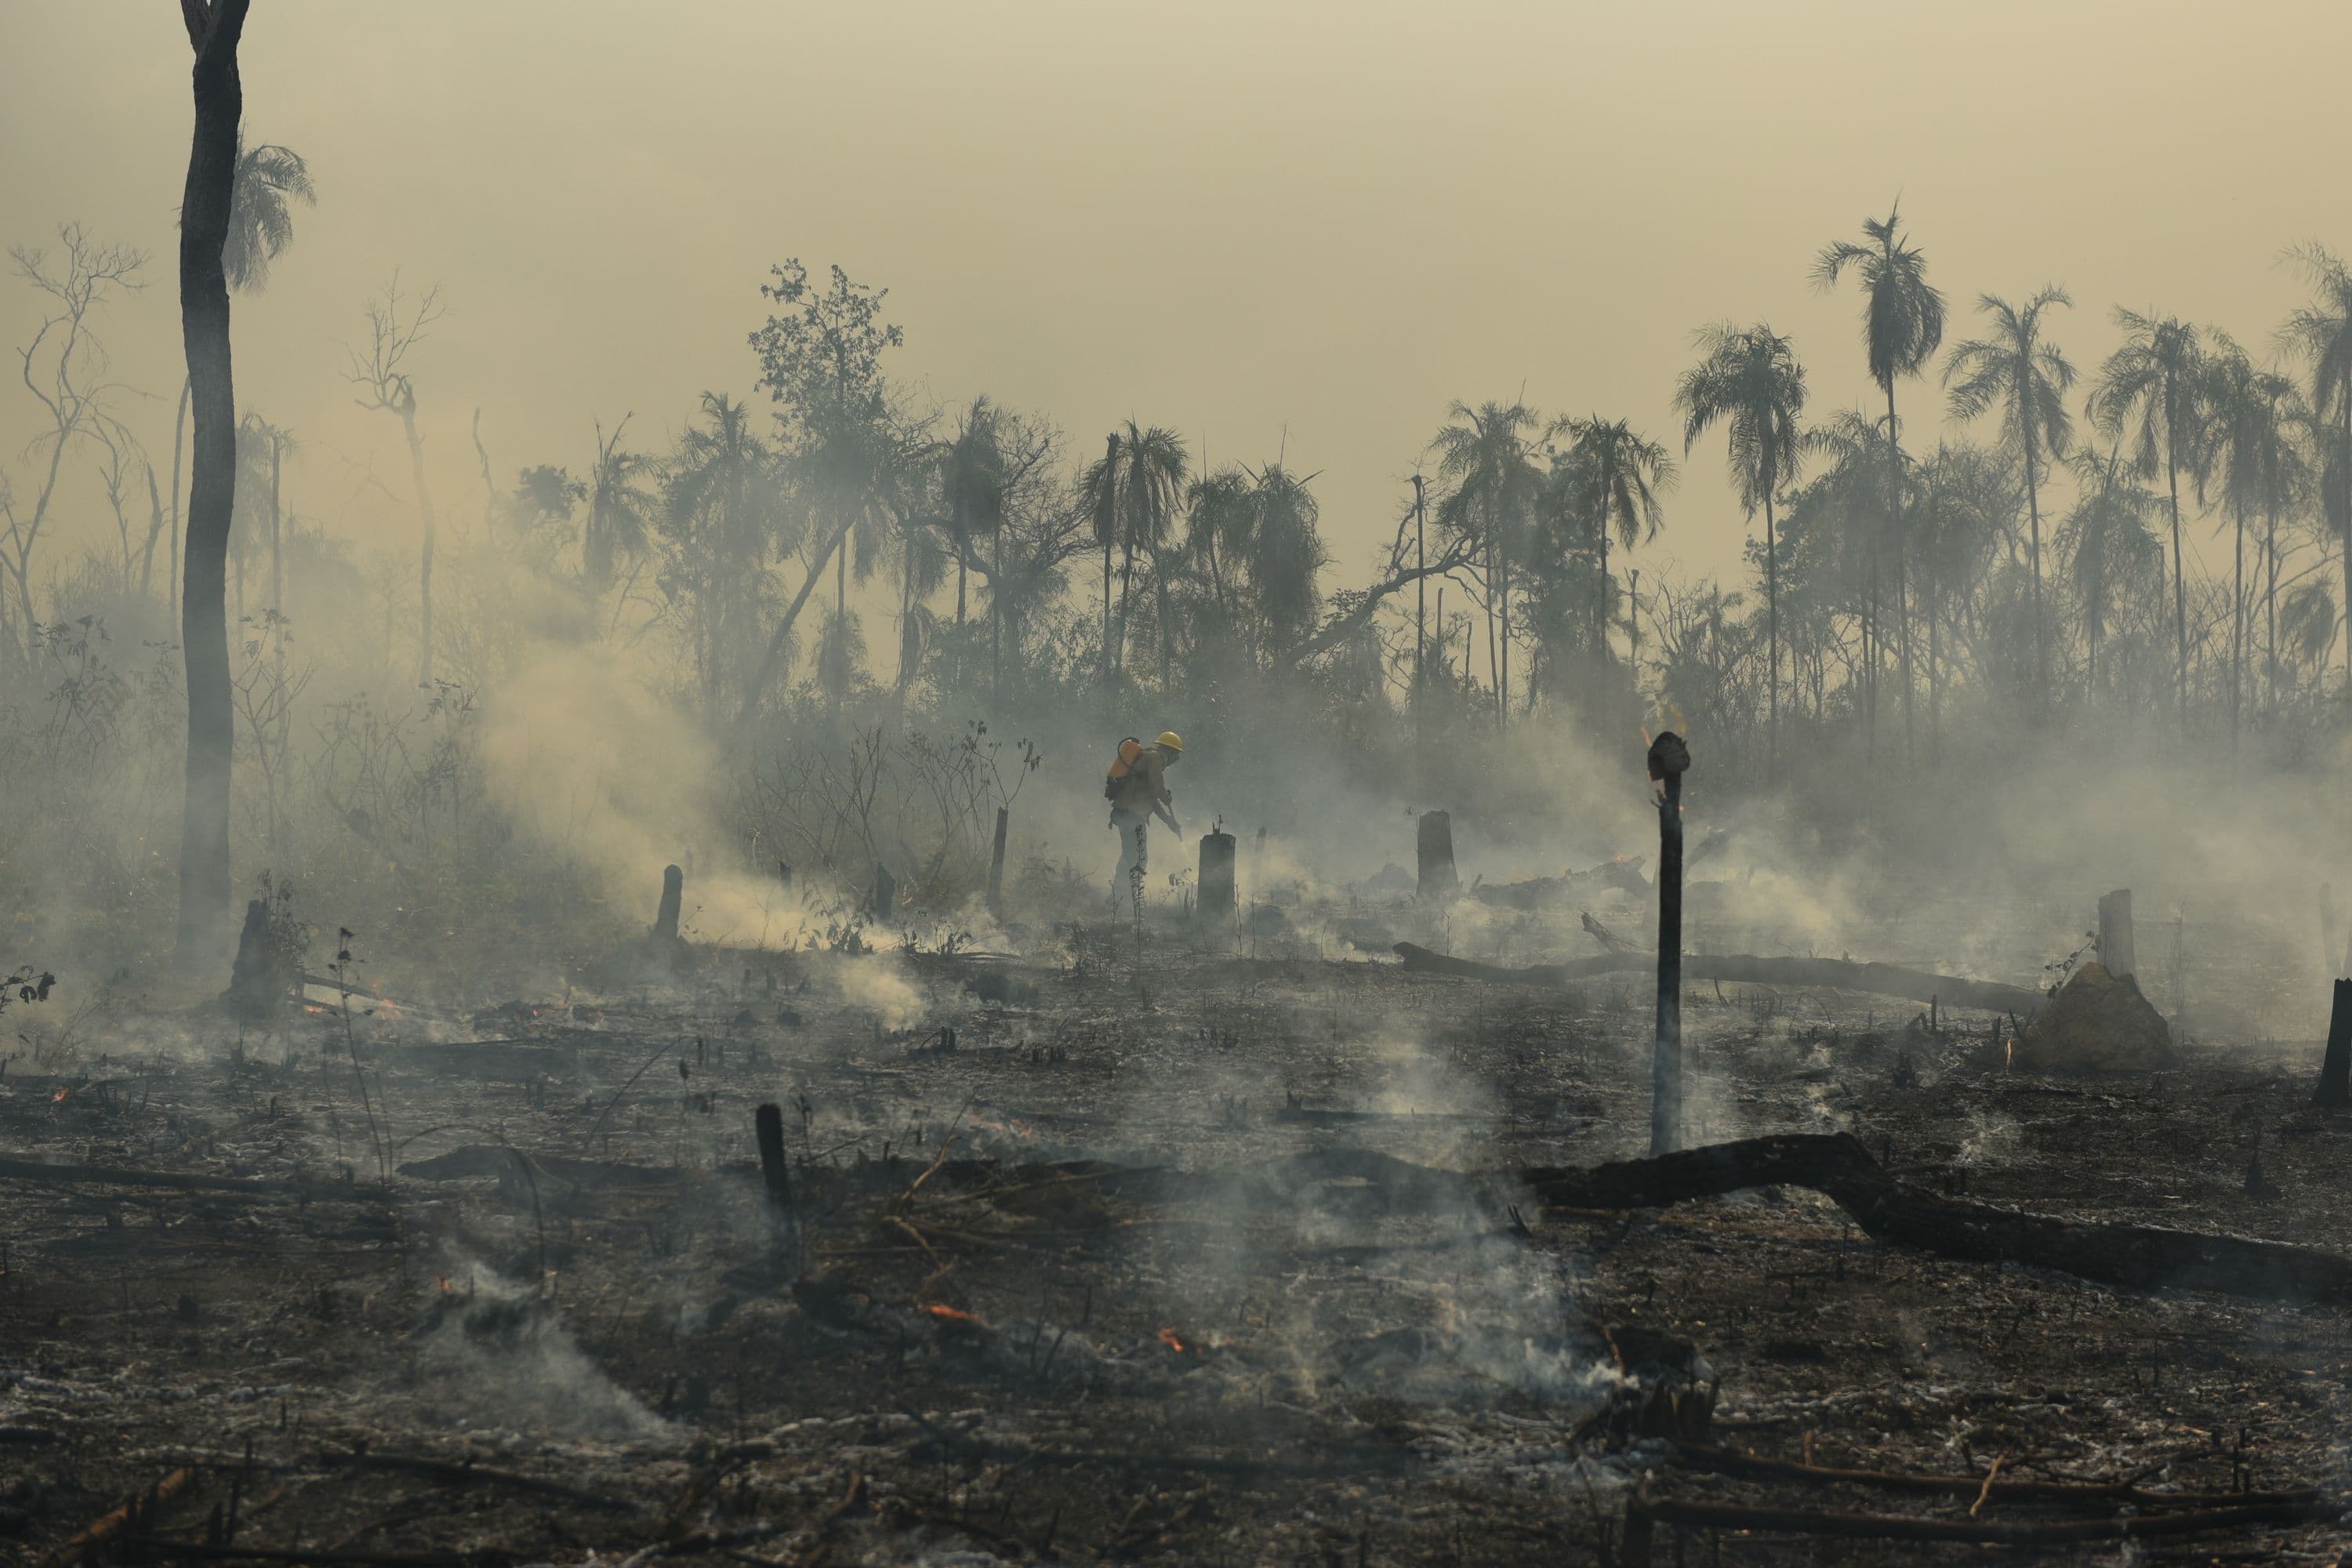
x=441, y=1283
x=1168, y=1337
x=61, y=1093
x=951, y=1314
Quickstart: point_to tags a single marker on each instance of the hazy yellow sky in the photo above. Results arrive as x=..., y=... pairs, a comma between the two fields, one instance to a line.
x=1320, y=219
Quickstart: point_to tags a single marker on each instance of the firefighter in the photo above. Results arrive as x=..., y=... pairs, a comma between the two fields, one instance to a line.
x=1137, y=786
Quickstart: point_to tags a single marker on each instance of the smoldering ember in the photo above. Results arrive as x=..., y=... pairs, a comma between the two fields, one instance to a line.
x=1360, y=837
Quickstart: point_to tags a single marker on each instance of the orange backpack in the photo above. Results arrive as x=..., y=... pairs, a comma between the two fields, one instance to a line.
x=1130, y=751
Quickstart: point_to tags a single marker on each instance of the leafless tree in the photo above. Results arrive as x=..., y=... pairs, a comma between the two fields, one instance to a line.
x=395, y=326
x=64, y=367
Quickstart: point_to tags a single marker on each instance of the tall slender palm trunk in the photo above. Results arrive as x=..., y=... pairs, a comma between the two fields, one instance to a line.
x=2041, y=624
x=1771, y=636
x=213, y=30
x=1902, y=584
x=2180, y=587
x=2270, y=607
x=2237, y=625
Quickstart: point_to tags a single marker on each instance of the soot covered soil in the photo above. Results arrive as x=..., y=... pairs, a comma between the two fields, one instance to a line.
x=1131, y=1266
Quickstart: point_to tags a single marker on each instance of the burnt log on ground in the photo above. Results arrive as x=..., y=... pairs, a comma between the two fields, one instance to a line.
x=1746, y=1466
x=1744, y=969
x=2141, y=1257
x=1642, y=1515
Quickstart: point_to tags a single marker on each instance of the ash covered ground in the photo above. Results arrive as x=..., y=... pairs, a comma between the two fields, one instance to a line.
x=1212, y=1256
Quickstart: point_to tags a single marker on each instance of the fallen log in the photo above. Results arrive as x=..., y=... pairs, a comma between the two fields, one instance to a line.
x=1999, y=1488
x=2141, y=1257
x=188, y=1181
x=473, y=1161
x=1642, y=1517
x=495, y=1061
x=461, y=1472
x=1834, y=973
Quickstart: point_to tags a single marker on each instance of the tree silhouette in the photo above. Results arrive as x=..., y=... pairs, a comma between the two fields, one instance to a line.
x=1621, y=475
x=852, y=455
x=2018, y=370
x=215, y=28
x=395, y=326
x=268, y=182
x=2322, y=332
x=1902, y=324
x=2148, y=398
x=1133, y=495
x=1748, y=380
x=725, y=516
x=1482, y=452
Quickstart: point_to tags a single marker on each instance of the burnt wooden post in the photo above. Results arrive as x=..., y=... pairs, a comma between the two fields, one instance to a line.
x=2327, y=947
x=1669, y=760
x=767, y=1125
x=2336, y=1067
x=2116, y=934
x=1435, y=847
x=996, y=864
x=673, y=897
x=1217, y=899
x=886, y=892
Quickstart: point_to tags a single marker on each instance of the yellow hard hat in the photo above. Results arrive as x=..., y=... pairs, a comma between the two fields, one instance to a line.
x=1169, y=741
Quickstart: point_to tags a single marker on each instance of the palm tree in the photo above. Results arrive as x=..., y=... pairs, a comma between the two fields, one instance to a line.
x=2250, y=439
x=1902, y=323
x=1626, y=473
x=2147, y=397
x=1253, y=538
x=265, y=183
x=724, y=498
x=268, y=181
x=2027, y=375
x=1966, y=502
x=1483, y=453
x=1134, y=493
x=2106, y=541
x=973, y=486
x=620, y=509
x=1749, y=380
x=2322, y=332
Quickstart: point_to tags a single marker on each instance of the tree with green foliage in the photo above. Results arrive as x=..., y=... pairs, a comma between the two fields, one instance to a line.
x=1484, y=455
x=1622, y=474
x=2016, y=369
x=2148, y=398
x=853, y=457
x=1134, y=494
x=2321, y=331
x=1749, y=380
x=1902, y=325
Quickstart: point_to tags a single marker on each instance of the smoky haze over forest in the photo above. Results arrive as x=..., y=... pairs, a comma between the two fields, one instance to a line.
x=1324, y=221
x=548, y=296
x=928, y=782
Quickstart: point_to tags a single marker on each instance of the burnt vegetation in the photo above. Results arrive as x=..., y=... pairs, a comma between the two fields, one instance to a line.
x=1622, y=1074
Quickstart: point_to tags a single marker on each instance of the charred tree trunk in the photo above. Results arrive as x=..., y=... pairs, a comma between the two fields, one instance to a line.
x=2115, y=953
x=213, y=28
x=673, y=902
x=996, y=864
x=1435, y=855
x=2336, y=1067
x=1217, y=886
x=1669, y=759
